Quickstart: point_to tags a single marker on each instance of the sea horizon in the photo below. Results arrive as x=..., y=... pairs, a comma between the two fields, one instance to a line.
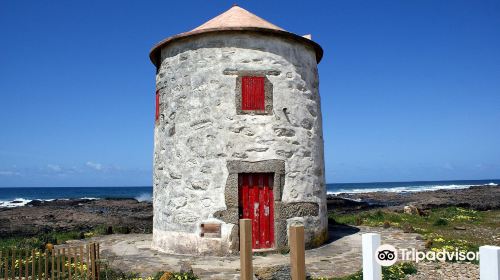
x=331, y=183
x=19, y=196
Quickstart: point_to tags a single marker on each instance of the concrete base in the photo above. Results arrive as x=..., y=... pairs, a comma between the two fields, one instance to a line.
x=193, y=244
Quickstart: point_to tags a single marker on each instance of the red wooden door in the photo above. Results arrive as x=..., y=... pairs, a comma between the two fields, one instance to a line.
x=257, y=203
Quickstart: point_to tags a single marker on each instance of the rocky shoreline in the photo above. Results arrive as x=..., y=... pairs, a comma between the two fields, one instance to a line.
x=83, y=215
x=475, y=197
x=130, y=215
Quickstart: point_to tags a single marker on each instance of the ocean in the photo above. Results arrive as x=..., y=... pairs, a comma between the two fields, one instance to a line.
x=12, y=197
x=415, y=186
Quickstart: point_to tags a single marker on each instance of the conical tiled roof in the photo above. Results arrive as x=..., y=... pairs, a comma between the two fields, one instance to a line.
x=235, y=19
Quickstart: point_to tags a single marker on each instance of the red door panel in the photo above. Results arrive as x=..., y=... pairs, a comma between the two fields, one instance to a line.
x=271, y=210
x=256, y=214
x=244, y=199
x=256, y=203
x=157, y=106
x=264, y=211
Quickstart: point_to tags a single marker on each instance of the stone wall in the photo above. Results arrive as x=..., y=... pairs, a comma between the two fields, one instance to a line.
x=200, y=132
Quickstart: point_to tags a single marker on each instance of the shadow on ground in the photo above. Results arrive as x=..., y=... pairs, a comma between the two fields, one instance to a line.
x=338, y=231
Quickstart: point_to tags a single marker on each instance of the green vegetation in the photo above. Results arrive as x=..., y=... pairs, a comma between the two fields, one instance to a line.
x=398, y=271
x=448, y=228
x=109, y=274
x=177, y=276
x=394, y=272
x=39, y=241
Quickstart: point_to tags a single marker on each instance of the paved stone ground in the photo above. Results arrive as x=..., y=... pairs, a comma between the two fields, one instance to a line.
x=341, y=256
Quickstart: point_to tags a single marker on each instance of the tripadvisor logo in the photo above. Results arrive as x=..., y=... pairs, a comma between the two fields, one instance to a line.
x=387, y=255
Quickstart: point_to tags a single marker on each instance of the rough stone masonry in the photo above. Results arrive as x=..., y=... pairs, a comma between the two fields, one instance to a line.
x=203, y=139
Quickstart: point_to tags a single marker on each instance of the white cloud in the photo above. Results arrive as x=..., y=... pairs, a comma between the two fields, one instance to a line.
x=54, y=167
x=9, y=173
x=95, y=166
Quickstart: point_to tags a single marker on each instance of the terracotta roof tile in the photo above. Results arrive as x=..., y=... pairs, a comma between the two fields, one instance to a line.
x=237, y=17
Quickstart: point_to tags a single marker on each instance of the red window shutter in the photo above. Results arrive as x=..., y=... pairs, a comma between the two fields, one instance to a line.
x=252, y=93
x=157, y=111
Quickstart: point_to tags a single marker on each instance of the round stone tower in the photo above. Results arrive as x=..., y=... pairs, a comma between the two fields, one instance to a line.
x=238, y=134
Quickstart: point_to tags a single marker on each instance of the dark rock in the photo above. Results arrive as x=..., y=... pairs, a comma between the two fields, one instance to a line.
x=306, y=123
x=408, y=228
x=344, y=205
x=186, y=267
x=276, y=272
x=80, y=215
x=284, y=132
x=476, y=197
x=34, y=203
x=282, y=153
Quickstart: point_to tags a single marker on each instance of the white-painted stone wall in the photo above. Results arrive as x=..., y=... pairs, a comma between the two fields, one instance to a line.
x=199, y=131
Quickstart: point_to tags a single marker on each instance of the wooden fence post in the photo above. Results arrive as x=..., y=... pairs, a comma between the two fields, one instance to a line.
x=98, y=261
x=297, y=252
x=52, y=274
x=20, y=264
x=27, y=265
x=6, y=264
x=63, y=263
x=40, y=255
x=82, y=274
x=371, y=269
x=246, y=269
x=92, y=260
x=58, y=264
x=489, y=263
x=46, y=276
x=33, y=264
x=87, y=254
x=70, y=257
x=13, y=267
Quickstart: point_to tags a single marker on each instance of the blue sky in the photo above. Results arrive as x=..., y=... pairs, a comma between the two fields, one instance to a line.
x=410, y=89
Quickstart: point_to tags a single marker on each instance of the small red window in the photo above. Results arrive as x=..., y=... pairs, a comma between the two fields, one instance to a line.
x=252, y=93
x=157, y=111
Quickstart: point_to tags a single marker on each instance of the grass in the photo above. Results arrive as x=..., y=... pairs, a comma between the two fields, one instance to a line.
x=110, y=274
x=394, y=272
x=39, y=241
x=443, y=228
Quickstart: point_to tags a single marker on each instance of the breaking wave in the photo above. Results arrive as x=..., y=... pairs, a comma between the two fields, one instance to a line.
x=364, y=188
x=148, y=197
